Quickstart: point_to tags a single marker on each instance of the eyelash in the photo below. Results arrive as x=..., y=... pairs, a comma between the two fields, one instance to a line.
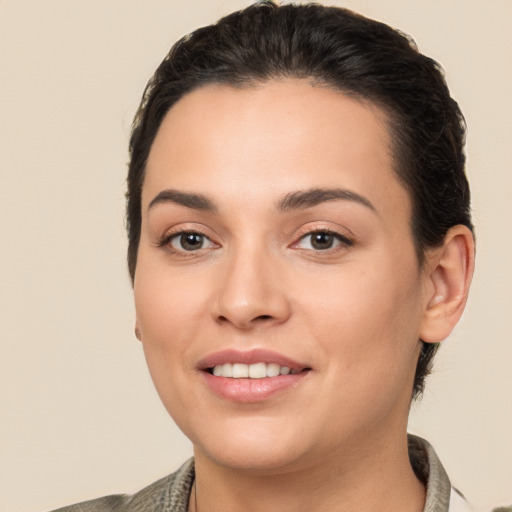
x=343, y=240
x=166, y=241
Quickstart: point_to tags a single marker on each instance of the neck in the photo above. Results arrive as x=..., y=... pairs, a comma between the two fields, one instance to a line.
x=379, y=477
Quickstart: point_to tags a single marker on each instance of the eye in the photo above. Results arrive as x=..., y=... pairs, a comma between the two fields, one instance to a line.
x=322, y=241
x=189, y=241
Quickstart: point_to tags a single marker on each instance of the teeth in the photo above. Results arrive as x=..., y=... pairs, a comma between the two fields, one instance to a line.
x=240, y=371
x=273, y=370
x=226, y=370
x=252, y=371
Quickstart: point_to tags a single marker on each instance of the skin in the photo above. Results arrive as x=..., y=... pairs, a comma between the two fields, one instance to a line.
x=352, y=313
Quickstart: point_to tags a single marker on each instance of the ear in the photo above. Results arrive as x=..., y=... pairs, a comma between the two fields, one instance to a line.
x=450, y=270
x=137, y=331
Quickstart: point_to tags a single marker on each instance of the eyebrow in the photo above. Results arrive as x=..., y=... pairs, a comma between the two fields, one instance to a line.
x=312, y=197
x=298, y=200
x=187, y=199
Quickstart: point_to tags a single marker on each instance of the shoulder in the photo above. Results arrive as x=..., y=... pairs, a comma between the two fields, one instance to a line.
x=169, y=493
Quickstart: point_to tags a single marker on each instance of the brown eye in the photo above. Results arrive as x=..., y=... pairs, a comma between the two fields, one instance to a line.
x=322, y=241
x=189, y=241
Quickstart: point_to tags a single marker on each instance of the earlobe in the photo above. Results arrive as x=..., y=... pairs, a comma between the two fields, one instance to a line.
x=450, y=272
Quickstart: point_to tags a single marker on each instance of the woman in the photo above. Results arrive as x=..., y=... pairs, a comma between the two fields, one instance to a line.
x=299, y=242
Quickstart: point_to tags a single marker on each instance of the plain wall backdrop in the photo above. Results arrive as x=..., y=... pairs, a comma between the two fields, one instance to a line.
x=80, y=417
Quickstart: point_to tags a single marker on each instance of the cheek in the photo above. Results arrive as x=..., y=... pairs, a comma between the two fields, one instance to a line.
x=368, y=340
x=170, y=312
x=367, y=316
x=167, y=303
x=162, y=312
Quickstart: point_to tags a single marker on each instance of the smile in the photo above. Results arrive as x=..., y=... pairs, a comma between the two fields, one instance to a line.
x=251, y=376
x=251, y=371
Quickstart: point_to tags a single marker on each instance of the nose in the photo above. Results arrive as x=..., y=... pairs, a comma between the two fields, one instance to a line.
x=251, y=292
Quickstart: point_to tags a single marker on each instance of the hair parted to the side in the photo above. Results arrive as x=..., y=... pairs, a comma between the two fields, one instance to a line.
x=360, y=57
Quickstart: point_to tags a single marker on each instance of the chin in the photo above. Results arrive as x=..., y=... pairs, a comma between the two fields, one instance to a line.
x=252, y=459
x=258, y=446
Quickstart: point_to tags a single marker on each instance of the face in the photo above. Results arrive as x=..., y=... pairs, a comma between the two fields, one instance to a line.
x=277, y=291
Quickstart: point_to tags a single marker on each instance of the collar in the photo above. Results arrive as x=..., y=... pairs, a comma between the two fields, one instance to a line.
x=430, y=471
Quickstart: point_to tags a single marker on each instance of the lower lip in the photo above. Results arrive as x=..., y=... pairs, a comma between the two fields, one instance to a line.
x=252, y=390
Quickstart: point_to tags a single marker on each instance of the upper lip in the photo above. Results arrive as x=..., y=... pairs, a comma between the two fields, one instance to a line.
x=248, y=357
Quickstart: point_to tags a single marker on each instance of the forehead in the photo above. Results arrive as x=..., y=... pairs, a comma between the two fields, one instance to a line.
x=269, y=139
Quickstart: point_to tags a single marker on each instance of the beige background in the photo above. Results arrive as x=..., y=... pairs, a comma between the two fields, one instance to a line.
x=79, y=415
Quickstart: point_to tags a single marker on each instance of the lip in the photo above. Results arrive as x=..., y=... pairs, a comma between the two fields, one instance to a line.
x=247, y=390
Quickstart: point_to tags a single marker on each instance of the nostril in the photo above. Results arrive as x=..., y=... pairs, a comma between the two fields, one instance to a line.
x=245, y=324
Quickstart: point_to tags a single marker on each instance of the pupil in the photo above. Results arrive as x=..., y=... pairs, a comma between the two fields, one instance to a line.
x=191, y=241
x=322, y=240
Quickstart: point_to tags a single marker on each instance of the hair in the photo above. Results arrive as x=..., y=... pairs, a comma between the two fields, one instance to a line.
x=360, y=57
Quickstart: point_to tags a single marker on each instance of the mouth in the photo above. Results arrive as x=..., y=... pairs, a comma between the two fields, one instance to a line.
x=251, y=376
